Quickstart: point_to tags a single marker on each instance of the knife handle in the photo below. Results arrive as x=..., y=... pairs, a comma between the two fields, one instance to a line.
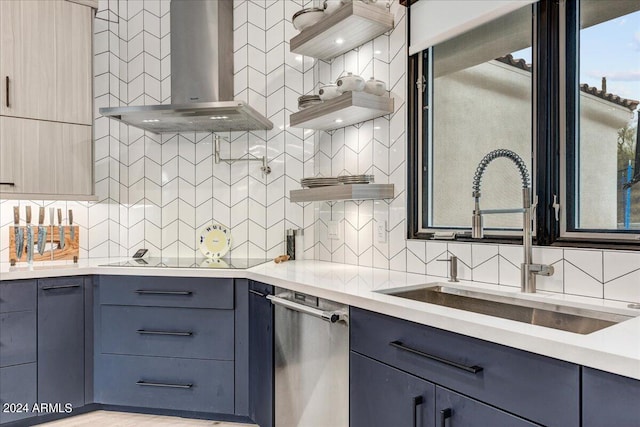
x=59, y=216
x=41, y=215
x=70, y=217
x=28, y=209
x=51, y=215
x=16, y=215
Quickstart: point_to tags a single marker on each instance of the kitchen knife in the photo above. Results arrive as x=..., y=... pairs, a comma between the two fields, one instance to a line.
x=42, y=232
x=61, y=228
x=71, y=230
x=18, y=233
x=29, y=236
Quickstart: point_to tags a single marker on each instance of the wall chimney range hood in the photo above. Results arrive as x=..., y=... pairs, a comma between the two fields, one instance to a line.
x=201, y=76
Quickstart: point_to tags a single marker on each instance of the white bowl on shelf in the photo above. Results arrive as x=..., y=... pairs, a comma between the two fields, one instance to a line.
x=307, y=17
x=350, y=82
x=329, y=91
x=375, y=87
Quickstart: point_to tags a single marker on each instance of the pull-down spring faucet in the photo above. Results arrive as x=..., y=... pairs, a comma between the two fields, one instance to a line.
x=528, y=270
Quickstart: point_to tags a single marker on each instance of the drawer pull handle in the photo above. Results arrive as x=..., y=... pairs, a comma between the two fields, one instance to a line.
x=151, y=384
x=53, y=288
x=445, y=414
x=471, y=369
x=10, y=184
x=152, y=292
x=6, y=81
x=417, y=401
x=176, y=334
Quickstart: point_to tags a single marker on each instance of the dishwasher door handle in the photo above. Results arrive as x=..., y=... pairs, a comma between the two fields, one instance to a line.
x=329, y=316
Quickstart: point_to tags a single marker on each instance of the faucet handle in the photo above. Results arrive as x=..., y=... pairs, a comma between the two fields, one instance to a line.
x=453, y=267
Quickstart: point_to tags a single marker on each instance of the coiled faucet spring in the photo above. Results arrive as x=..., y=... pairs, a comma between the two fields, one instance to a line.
x=491, y=156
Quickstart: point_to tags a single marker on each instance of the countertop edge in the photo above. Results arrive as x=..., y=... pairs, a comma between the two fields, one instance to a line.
x=503, y=332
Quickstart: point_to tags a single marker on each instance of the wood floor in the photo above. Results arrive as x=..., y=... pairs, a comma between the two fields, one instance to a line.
x=122, y=419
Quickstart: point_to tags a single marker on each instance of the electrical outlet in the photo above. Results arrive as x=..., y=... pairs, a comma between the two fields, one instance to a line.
x=334, y=230
x=382, y=232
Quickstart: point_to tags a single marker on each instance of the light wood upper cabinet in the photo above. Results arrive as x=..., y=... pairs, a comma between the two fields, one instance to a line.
x=28, y=58
x=74, y=56
x=55, y=158
x=47, y=55
x=46, y=108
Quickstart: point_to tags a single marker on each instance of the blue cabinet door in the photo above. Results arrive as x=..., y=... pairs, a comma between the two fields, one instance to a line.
x=383, y=396
x=609, y=400
x=261, y=379
x=61, y=341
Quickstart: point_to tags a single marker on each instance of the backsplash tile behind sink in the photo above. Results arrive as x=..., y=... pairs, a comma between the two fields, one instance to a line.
x=158, y=191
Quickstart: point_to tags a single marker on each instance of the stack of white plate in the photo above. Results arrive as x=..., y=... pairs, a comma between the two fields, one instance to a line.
x=308, y=100
x=355, y=179
x=319, y=181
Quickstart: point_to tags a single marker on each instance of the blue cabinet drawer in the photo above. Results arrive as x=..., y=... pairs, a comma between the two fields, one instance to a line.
x=167, y=383
x=17, y=386
x=17, y=338
x=609, y=399
x=17, y=295
x=172, y=332
x=167, y=291
x=535, y=387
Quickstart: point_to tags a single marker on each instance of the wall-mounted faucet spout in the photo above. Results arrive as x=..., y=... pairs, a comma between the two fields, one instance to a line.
x=528, y=270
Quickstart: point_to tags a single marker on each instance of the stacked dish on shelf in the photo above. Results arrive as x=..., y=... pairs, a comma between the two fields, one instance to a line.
x=306, y=101
x=355, y=179
x=319, y=181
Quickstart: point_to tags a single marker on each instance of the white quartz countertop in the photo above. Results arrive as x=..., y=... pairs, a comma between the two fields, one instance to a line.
x=614, y=349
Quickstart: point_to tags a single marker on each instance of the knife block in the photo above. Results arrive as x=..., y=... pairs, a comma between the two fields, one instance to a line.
x=52, y=245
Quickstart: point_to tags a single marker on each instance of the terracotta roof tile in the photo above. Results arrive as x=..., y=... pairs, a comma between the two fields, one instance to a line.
x=631, y=104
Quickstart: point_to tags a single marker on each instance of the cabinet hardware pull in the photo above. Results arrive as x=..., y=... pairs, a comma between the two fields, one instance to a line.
x=6, y=80
x=444, y=415
x=471, y=369
x=417, y=401
x=177, y=334
x=12, y=184
x=151, y=384
x=152, y=292
x=260, y=294
x=328, y=316
x=52, y=288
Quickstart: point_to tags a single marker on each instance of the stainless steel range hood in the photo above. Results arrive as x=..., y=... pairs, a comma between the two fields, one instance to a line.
x=201, y=76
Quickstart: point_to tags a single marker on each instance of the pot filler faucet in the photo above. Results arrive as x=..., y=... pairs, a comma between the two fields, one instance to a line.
x=528, y=270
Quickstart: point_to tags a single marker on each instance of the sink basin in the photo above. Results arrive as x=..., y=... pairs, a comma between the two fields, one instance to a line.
x=566, y=318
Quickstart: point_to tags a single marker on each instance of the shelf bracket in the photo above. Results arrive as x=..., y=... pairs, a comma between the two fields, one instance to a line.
x=265, y=168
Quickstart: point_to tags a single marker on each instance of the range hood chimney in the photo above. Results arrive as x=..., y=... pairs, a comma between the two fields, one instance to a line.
x=201, y=76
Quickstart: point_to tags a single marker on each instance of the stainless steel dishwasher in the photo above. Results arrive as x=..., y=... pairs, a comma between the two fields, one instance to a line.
x=311, y=361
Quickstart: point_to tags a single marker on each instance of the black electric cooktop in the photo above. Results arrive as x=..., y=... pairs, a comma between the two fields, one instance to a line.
x=231, y=263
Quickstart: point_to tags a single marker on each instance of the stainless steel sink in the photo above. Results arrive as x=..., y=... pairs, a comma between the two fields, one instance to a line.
x=566, y=318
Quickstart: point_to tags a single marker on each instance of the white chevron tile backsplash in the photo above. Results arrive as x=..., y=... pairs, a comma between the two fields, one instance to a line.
x=158, y=191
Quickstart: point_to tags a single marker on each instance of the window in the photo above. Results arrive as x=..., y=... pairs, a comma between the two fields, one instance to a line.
x=557, y=82
x=602, y=165
x=478, y=98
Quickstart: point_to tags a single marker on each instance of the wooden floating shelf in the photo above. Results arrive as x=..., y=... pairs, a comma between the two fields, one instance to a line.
x=354, y=23
x=343, y=192
x=345, y=110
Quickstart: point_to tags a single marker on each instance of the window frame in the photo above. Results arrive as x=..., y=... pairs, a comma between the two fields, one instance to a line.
x=419, y=135
x=555, y=38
